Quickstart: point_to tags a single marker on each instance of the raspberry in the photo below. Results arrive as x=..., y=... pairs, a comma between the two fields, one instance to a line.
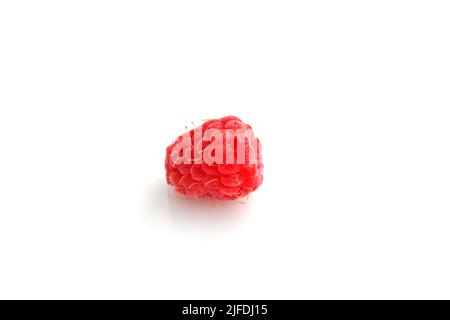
x=235, y=174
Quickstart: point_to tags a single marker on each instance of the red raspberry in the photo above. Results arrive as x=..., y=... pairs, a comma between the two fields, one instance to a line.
x=196, y=177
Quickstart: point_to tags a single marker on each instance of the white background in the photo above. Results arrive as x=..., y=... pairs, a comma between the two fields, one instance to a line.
x=350, y=99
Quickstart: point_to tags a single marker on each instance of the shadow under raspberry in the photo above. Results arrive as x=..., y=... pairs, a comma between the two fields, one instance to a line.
x=194, y=214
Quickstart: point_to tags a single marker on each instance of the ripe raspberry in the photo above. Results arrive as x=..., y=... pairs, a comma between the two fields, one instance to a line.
x=197, y=177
